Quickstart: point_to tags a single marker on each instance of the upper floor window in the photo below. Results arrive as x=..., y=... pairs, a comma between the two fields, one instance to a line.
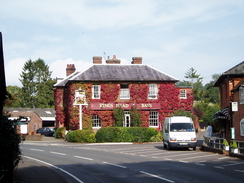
x=96, y=91
x=241, y=95
x=96, y=121
x=124, y=91
x=153, y=118
x=183, y=94
x=153, y=91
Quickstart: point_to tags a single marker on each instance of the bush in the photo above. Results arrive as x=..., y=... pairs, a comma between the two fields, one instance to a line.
x=81, y=136
x=60, y=132
x=124, y=134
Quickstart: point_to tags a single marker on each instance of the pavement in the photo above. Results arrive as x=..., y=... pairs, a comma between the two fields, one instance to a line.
x=31, y=171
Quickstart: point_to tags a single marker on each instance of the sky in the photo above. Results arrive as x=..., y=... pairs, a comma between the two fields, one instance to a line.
x=171, y=36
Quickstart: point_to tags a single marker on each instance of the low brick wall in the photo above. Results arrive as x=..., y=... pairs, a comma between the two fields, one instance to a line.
x=36, y=137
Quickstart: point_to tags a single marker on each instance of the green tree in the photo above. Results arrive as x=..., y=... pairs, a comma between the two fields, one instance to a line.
x=135, y=117
x=195, y=82
x=37, y=85
x=212, y=93
x=13, y=95
x=119, y=116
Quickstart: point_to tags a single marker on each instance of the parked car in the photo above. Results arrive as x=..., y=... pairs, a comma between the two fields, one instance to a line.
x=47, y=131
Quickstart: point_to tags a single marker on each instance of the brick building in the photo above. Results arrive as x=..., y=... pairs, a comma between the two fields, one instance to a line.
x=87, y=99
x=231, y=88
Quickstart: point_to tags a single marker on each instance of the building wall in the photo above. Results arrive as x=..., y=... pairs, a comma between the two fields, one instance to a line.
x=237, y=116
x=68, y=115
x=35, y=123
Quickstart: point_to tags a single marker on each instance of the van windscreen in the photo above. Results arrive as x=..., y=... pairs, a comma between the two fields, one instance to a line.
x=181, y=127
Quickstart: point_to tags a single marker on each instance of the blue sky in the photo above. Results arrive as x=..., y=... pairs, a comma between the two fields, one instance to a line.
x=171, y=36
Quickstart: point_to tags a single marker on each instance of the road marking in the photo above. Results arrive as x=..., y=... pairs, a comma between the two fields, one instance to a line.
x=115, y=165
x=83, y=158
x=183, y=161
x=36, y=149
x=58, y=153
x=224, y=158
x=220, y=167
x=78, y=180
x=156, y=176
x=200, y=163
x=199, y=156
x=242, y=171
x=232, y=164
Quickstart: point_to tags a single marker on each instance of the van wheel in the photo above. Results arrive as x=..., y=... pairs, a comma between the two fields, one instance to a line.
x=194, y=148
x=169, y=148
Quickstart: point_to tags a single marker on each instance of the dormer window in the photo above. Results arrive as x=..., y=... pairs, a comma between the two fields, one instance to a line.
x=124, y=91
x=153, y=91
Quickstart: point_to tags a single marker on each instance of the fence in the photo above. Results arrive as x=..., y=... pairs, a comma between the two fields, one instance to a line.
x=219, y=143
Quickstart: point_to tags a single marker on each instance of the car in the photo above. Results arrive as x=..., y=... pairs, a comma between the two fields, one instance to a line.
x=47, y=131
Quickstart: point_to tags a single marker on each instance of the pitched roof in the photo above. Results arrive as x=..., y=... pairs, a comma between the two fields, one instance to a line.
x=234, y=72
x=117, y=72
x=43, y=113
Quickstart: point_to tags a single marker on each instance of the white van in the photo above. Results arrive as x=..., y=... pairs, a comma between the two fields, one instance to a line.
x=179, y=132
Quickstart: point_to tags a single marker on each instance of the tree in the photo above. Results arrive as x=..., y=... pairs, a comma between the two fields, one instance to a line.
x=212, y=92
x=13, y=96
x=135, y=117
x=37, y=85
x=119, y=116
x=195, y=82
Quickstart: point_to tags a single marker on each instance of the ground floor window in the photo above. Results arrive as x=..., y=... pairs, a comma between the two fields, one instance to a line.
x=153, y=118
x=96, y=121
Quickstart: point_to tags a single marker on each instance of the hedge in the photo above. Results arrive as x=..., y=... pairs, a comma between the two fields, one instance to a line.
x=125, y=134
x=81, y=136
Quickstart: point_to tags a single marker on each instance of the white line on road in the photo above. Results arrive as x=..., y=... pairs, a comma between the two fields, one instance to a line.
x=115, y=165
x=83, y=158
x=242, y=171
x=156, y=176
x=58, y=153
x=36, y=149
x=78, y=180
x=199, y=157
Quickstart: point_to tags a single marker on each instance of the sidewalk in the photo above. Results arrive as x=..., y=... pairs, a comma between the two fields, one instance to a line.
x=30, y=171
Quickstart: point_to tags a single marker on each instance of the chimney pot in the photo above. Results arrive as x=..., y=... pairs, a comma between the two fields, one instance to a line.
x=97, y=60
x=70, y=69
x=136, y=60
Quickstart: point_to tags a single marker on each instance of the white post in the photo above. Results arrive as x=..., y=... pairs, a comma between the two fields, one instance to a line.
x=80, y=112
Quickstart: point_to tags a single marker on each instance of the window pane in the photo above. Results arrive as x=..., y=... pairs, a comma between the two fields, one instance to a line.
x=153, y=118
x=124, y=91
x=96, y=91
x=96, y=121
x=153, y=91
x=183, y=94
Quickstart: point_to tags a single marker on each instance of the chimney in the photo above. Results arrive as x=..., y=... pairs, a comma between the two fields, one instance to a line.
x=114, y=60
x=70, y=69
x=136, y=60
x=97, y=60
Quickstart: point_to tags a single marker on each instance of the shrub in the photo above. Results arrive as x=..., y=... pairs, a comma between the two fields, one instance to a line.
x=81, y=136
x=124, y=134
x=70, y=136
x=60, y=132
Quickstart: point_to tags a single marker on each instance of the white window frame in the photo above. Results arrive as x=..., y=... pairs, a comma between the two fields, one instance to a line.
x=183, y=94
x=153, y=91
x=241, y=95
x=96, y=91
x=96, y=122
x=124, y=91
x=127, y=116
x=153, y=119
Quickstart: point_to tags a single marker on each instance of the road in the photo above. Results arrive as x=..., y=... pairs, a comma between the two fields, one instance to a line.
x=133, y=163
